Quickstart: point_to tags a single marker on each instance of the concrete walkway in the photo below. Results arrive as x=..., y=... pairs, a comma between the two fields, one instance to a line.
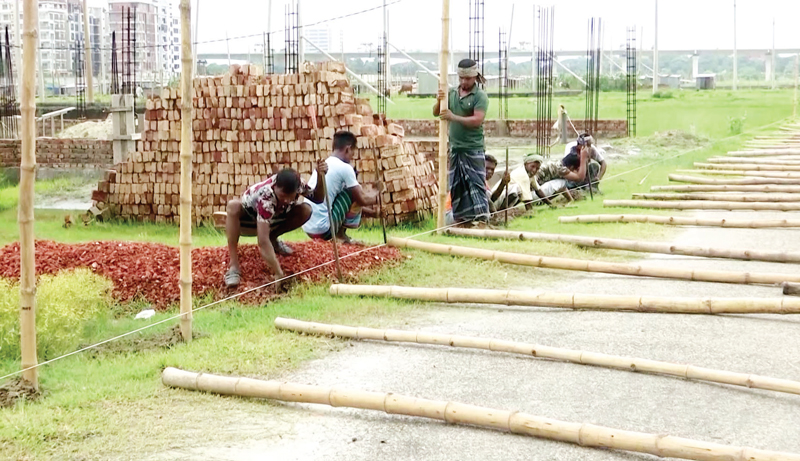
x=763, y=344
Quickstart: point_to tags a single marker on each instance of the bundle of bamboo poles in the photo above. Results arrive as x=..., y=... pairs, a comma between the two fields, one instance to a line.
x=633, y=245
x=537, y=350
x=581, y=301
x=702, y=205
x=588, y=435
x=598, y=266
x=729, y=188
x=732, y=182
x=681, y=221
x=760, y=174
x=746, y=167
x=730, y=197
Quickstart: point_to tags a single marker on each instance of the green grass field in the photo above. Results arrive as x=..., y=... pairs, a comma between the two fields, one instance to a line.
x=111, y=401
x=698, y=112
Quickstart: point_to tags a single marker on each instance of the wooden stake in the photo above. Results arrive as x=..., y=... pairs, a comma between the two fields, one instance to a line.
x=634, y=245
x=444, y=57
x=732, y=182
x=730, y=197
x=681, y=221
x=516, y=422
x=585, y=301
x=186, y=172
x=537, y=350
x=726, y=188
x=312, y=113
x=702, y=205
x=747, y=166
x=27, y=178
x=598, y=266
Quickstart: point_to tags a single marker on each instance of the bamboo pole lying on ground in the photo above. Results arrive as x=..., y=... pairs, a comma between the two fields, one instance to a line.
x=764, y=152
x=703, y=205
x=760, y=174
x=729, y=196
x=682, y=221
x=732, y=182
x=747, y=166
x=580, y=301
x=633, y=245
x=778, y=188
x=583, y=434
x=598, y=266
x=547, y=352
x=792, y=289
x=776, y=160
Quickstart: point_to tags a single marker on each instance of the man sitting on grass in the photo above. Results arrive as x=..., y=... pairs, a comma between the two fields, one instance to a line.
x=596, y=162
x=345, y=194
x=526, y=179
x=556, y=177
x=268, y=210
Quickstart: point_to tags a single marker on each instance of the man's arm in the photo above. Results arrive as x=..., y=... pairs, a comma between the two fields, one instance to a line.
x=473, y=121
x=319, y=190
x=580, y=175
x=498, y=191
x=543, y=198
x=265, y=247
x=603, y=166
x=362, y=198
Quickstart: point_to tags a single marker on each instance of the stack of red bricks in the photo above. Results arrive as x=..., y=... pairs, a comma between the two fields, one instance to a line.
x=248, y=126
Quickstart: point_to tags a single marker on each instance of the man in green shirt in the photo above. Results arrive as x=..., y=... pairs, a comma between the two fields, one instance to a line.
x=467, y=105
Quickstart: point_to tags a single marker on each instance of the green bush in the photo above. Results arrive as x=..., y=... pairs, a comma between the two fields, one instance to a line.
x=736, y=124
x=663, y=95
x=65, y=304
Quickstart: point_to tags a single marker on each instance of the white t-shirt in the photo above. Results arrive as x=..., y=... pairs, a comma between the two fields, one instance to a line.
x=596, y=152
x=340, y=176
x=519, y=176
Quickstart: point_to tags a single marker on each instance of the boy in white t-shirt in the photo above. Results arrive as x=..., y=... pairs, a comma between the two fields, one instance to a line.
x=345, y=194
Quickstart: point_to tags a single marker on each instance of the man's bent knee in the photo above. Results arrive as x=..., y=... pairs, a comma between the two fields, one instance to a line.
x=234, y=207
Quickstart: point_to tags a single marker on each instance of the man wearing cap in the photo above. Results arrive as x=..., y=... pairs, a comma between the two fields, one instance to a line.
x=524, y=181
x=466, y=108
x=596, y=170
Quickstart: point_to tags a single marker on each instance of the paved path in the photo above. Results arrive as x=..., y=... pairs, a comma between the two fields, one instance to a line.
x=764, y=344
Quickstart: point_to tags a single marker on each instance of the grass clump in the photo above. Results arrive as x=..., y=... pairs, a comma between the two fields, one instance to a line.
x=66, y=304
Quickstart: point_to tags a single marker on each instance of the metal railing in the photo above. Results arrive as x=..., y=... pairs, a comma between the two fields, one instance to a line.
x=52, y=117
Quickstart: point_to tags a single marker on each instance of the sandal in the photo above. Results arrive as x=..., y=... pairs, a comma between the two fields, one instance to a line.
x=232, y=278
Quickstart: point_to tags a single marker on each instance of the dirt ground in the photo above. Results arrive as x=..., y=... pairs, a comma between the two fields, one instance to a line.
x=762, y=344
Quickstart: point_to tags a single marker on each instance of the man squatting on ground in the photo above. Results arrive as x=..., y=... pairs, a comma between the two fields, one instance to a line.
x=546, y=179
x=467, y=105
x=268, y=210
x=597, y=169
x=346, y=196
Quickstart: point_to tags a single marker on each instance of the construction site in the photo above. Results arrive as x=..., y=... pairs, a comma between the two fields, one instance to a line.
x=267, y=245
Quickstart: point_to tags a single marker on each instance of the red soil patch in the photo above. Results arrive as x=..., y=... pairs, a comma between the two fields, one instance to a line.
x=151, y=270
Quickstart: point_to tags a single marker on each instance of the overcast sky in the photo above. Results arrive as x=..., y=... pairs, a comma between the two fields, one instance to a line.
x=416, y=24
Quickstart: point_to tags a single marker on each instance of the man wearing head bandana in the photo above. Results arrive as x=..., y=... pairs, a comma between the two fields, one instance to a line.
x=597, y=169
x=467, y=106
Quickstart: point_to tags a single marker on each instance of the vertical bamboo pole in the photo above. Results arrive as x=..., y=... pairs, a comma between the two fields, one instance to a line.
x=186, y=171
x=443, y=127
x=27, y=177
x=87, y=42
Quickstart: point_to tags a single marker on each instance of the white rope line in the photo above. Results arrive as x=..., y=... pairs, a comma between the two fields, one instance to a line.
x=237, y=295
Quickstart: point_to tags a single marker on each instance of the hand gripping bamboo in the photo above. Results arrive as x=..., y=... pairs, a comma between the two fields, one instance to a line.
x=584, y=301
x=732, y=182
x=547, y=352
x=588, y=435
x=702, y=205
x=681, y=221
x=598, y=266
x=726, y=197
x=633, y=245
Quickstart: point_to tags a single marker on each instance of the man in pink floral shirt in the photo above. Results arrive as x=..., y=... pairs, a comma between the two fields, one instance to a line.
x=268, y=210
